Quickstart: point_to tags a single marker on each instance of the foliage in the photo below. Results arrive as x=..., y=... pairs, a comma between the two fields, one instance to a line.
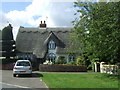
x=80, y=61
x=71, y=62
x=6, y=61
x=8, y=44
x=97, y=30
x=0, y=34
x=7, y=33
x=60, y=60
x=89, y=67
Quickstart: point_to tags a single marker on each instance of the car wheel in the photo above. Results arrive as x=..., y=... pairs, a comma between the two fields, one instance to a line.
x=14, y=75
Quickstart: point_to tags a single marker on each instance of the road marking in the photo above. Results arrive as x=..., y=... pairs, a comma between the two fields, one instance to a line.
x=14, y=85
x=44, y=83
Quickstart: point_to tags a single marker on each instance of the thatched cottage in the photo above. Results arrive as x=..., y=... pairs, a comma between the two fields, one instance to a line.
x=44, y=43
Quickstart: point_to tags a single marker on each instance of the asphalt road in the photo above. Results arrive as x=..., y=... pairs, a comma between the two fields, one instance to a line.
x=24, y=81
x=6, y=85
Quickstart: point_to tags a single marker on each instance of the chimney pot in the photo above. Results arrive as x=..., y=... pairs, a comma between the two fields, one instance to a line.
x=43, y=25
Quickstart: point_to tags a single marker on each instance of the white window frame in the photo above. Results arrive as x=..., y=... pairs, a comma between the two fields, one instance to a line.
x=51, y=45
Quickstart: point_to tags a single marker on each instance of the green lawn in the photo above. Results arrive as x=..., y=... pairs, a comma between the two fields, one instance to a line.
x=81, y=80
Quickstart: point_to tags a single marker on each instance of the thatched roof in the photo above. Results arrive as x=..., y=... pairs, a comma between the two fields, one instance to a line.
x=35, y=40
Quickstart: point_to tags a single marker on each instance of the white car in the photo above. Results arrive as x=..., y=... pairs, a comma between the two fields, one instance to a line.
x=22, y=67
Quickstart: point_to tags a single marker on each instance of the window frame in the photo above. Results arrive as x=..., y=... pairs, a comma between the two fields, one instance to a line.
x=51, y=44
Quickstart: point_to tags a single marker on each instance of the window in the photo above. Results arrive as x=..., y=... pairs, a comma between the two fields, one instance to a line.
x=26, y=56
x=51, y=45
x=23, y=63
x=51, y=57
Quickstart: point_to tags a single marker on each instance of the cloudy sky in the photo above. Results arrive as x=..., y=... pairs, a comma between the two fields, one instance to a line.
x=29, y=13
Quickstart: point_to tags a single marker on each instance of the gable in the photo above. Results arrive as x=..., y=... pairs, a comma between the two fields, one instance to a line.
x=53, y=37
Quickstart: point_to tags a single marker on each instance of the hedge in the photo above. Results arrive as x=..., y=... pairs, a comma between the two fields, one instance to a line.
x=7, y=61
x=8, y=66
x=61, y=68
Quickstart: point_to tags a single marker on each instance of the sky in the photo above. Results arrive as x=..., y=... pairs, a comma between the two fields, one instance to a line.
x=29, y=13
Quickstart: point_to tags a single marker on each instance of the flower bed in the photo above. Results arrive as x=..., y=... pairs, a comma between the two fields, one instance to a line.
x=62, y=68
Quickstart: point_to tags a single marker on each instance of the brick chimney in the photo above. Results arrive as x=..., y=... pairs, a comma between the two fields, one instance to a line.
x=43, y=25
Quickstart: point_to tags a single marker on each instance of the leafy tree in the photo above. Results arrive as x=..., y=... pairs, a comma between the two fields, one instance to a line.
x=97, y=30
x=8, y=44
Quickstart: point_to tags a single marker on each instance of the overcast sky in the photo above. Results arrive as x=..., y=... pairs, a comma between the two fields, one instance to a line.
x=30, y=12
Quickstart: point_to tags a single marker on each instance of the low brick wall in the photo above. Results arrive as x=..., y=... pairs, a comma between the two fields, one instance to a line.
x=8, y=66
x=62, y=68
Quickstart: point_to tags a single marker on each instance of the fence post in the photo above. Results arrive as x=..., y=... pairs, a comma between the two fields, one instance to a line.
x=101, y=67
x=95, y=64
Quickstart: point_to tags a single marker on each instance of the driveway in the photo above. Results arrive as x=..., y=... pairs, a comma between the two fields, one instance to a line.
x=9, y=81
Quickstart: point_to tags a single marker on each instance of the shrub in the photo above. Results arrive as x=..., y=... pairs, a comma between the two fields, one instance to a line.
x=6, y=61
x=56, y=62
x=89, y=67
x=47, y=62
x=71, y=62
x=80, y=61
x=61, y=60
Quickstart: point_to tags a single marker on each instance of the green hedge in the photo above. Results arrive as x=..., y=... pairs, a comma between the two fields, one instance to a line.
x=62, y=68
x=6, y=61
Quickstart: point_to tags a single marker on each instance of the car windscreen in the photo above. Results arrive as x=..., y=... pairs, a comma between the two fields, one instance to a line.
x=23, y=63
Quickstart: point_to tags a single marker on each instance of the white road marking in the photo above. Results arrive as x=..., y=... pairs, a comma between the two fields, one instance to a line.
x=44, y=83
x=14, y=85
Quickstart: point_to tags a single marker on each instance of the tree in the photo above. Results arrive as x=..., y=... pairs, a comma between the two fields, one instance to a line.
x=7, y=42
x=98, y=30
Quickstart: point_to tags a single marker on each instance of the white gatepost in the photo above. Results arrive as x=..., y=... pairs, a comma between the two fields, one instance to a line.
x=101, y=67
x=95, y=63
x=96, y=66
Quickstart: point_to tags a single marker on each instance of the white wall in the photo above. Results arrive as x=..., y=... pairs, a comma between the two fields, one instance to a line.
x=52, y=51
x=110, y=69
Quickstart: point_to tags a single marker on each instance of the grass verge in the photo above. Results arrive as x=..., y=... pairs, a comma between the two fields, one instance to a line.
x=80, y=80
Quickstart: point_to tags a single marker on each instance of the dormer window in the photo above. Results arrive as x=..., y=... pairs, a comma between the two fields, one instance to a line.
x=51, y=45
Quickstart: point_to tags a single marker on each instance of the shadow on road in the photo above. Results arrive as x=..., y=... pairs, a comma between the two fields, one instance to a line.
x=34, y=75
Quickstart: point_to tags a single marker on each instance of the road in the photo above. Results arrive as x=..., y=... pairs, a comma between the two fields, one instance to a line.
x=6, y=85
x=8, y=81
